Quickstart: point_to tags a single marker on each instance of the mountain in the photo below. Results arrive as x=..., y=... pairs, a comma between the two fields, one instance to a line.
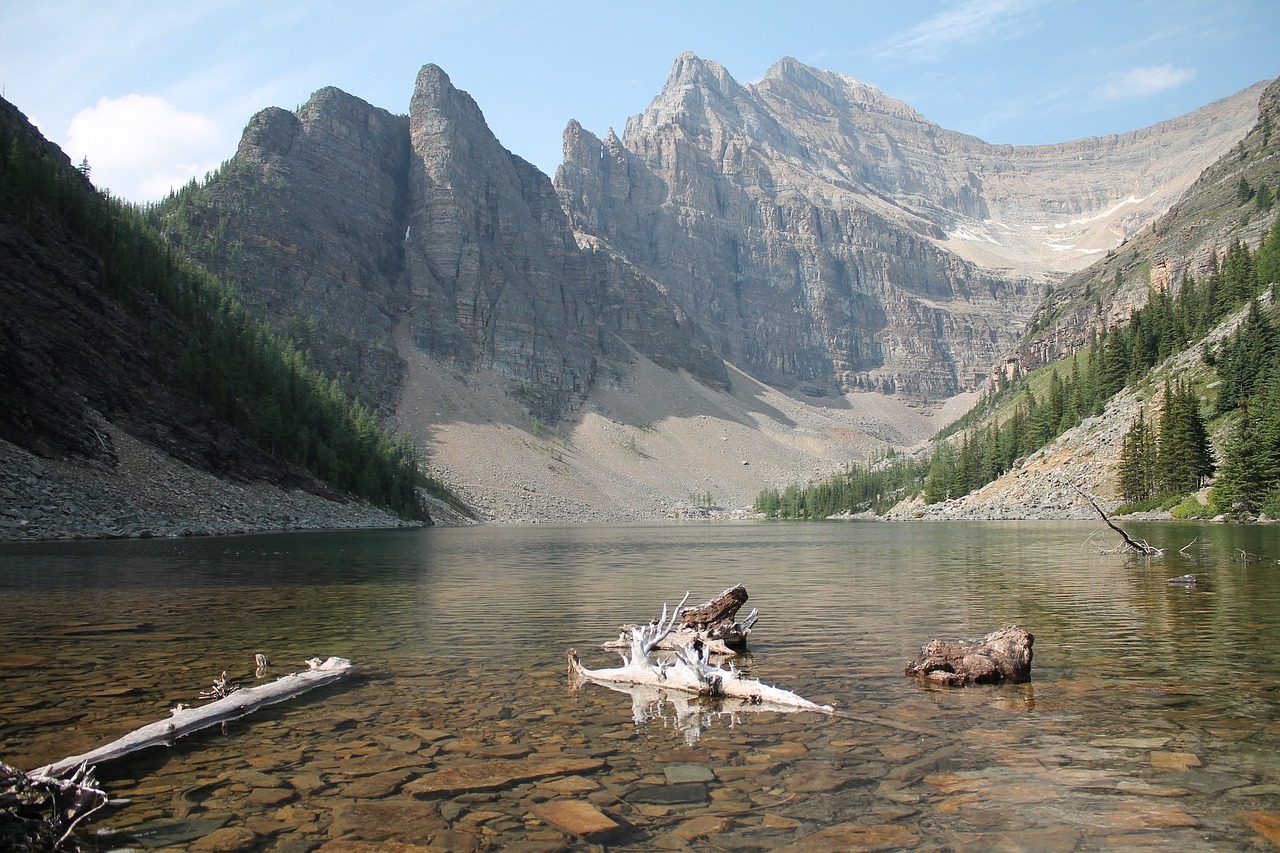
x=1188, y=239
x=1199, y=237
x=753, y=283
x=830, y=238
x=341, y=221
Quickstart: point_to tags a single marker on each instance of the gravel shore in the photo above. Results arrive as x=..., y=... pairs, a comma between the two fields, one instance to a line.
x=149, y=495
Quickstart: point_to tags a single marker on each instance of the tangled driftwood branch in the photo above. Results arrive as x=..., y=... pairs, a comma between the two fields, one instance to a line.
x=690, y=672
x=41, y=813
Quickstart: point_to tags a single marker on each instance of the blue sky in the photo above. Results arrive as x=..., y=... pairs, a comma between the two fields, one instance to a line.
x=154, y=92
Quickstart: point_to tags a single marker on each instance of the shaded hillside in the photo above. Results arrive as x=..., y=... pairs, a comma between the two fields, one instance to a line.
x=104, y=325
x=79, y=341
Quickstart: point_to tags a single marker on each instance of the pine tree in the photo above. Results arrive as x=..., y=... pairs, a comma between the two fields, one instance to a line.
x=1184, y=456
x=1267, y=260
x=1244, y=192
x=1245, y=357
x=940, y=481
x=1137, y=457
x=1263, y=198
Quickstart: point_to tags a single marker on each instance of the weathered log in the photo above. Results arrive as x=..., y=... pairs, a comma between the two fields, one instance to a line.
x=1003, y=655
x=233, y=704
x=723, y=607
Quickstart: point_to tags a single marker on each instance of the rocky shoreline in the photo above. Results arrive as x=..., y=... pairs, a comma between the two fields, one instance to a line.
x=148, y=494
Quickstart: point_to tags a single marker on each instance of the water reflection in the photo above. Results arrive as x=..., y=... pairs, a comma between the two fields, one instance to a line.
x=685, y=713
x=1151, y=719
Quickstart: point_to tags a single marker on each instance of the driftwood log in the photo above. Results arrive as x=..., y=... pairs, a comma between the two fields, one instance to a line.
x=1003, y=655
x=39, y=810
x=712, y=625
x=687, y=713
x=689, y=672
x=230, y=704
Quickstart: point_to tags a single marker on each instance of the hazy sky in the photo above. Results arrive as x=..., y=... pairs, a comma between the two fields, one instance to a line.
x=154, y=92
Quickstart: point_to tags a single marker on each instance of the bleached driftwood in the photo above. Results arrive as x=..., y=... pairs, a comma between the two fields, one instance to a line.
x=690, y=671
x=713, y=625
x=231, y=704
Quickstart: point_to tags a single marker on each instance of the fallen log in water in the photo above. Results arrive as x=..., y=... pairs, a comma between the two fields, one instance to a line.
x=186, y=720
x=1003, y=655
x=689, y=672
x=1140, y=546
x=39, y=810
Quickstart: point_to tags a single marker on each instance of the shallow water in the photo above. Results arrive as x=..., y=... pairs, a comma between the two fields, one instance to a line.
x=1152, y=720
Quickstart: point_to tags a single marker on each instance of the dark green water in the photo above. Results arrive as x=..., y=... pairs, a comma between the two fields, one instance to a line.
x=1152, y=720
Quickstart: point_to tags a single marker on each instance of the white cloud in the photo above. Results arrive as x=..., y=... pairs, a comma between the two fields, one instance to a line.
x=967, y=22
x=1140, y=82
x=139, y=145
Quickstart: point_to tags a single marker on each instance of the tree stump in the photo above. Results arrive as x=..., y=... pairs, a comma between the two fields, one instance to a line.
x=717, y=618
x=721, y=608
x=713, y=625
x=1003, y=655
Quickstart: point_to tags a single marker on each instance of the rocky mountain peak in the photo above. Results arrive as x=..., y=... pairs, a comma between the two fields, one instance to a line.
x=832, y=91
x=270, y=132
x=433, y=90
x=690, y=70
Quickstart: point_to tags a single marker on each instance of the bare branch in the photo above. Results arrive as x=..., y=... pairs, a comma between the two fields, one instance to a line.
x=1140, y=546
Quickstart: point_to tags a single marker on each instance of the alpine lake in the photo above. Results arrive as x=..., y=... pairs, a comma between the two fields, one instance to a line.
x=1152, y=720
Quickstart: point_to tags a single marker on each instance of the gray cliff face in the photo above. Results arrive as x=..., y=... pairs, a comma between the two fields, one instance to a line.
x=497, y=276
x=342, y=220
x=493, y=268
x=717, y=198
x=829, y=238
x=807, y=229
x=307, y=221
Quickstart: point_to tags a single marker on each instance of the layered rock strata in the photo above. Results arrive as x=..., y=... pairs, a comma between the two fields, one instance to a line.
x=830, y=238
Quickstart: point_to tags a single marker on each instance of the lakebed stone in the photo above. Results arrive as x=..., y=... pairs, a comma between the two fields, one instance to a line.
x=678, y=794
x=854, y=836
x=677, y=773
x=579, y=818
x=495, y=774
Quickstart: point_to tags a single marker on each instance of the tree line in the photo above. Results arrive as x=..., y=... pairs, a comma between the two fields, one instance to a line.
x=253, y=378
